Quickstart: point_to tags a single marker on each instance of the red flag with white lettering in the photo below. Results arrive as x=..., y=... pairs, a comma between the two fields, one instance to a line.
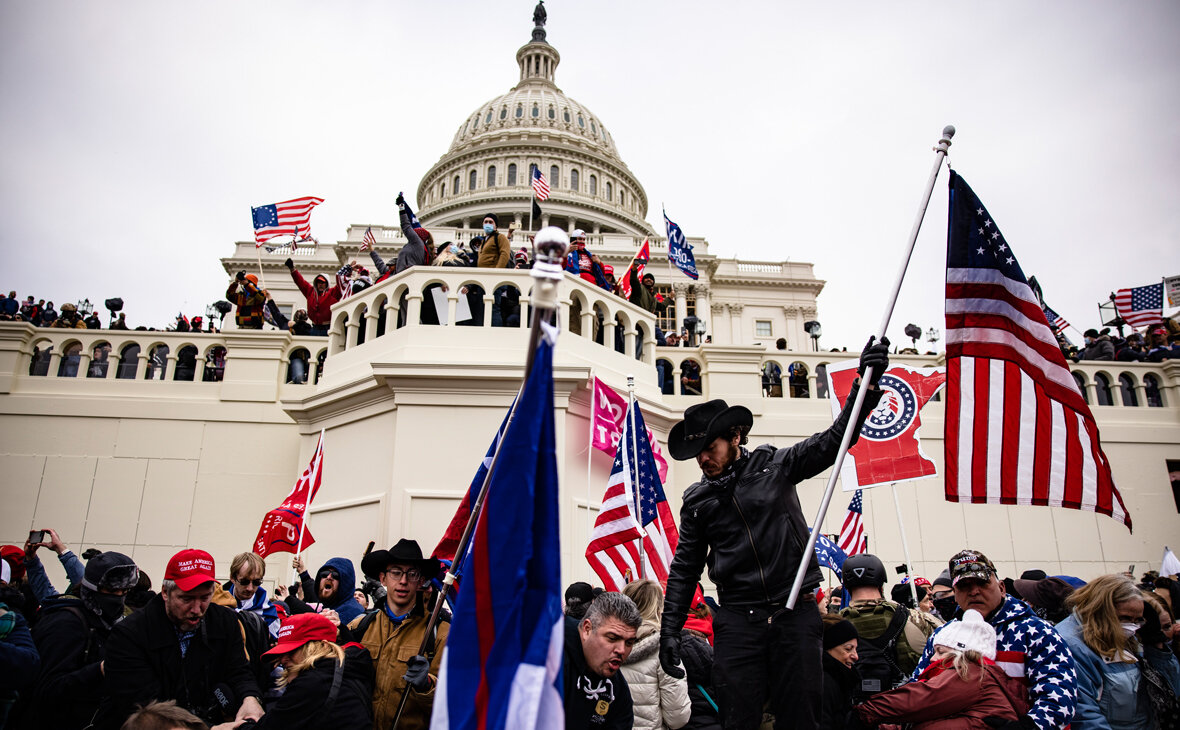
x=281, y=527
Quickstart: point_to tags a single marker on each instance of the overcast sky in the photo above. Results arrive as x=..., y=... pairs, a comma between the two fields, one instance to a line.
x=138, y=134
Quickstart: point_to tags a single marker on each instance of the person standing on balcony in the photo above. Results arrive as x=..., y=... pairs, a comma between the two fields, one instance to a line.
x=249, y=301
x=496, y=251
x=743, y=519
x=584, y=264
x=320, y=298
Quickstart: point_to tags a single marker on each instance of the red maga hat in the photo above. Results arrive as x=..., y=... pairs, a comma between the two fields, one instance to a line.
x=301, y=628
x=190, y=568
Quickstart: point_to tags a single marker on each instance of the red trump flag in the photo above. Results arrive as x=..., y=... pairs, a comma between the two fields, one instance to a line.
x=888, y=449
x=282, y=527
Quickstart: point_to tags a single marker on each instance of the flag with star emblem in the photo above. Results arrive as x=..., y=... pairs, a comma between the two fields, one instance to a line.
x=1018, y=430
x=540, y=185
x=1056, y=322
x=852, y=533
x=1141, y=305
x=889, y=449
x=613, y=552
x=283, y=219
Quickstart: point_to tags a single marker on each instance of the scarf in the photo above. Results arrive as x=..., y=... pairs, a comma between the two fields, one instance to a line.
x=259, y=604
x=728, y=475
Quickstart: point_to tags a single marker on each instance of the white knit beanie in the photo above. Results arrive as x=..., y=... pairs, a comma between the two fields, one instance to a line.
x=971, y=633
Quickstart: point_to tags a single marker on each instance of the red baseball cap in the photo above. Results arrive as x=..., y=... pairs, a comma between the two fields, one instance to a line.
x=301, y=628
x=190, y=568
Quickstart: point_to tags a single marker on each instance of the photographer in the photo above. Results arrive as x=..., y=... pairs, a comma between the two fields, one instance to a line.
x=249, y=301
x=38, y=580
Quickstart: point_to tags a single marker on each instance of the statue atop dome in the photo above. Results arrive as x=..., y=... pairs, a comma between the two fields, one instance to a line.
x=539, y=18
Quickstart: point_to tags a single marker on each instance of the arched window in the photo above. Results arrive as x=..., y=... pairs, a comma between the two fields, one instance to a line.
x=772, y=380
x=797, y=378
x=574, y=180
x=455, y=187
x=552, y=113
x=1127, y=386
x=297, y=367
x=536, y=111
x=71, y=358
x=608, y=191
x=1102, y=388
x=821, y=377
x=581, y=122
x=622, y=199
x=512, y=174
x=488, y=119
x=504, y=113
x=519, y=111
x=128, y=362
x=472, y=179
x=690, y=377
x=593, y=128
x=1077, y=378
x=565, y=114
x=1151, y=387
x=594, y=185
x=491, y=176
x=100, y=361
x=665, y=376
x=157, y=361
x=442, y=190
x=186, y=363
x=554, y=176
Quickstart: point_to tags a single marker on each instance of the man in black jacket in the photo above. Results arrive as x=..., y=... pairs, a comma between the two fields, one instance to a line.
x=743, y=520
x=179, y=647
x=596, y=693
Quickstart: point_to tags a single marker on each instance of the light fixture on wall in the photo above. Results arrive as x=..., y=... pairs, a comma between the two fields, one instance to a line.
x=814, y=329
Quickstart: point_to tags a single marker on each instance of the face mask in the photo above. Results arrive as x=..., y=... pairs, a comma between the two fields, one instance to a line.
x=488, y=228
x=1129, y=629
x=946, y=607
x=455, y=250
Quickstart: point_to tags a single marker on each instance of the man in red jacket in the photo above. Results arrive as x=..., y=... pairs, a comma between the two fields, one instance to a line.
x=320, y=299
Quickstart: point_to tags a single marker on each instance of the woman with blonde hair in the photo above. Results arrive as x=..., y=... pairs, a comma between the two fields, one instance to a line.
x=1102, y=632
x=327, y=686
x=661, y=701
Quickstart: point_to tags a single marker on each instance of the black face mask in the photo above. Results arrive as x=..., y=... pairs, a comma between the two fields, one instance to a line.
x=108, y=606
x=946, y=607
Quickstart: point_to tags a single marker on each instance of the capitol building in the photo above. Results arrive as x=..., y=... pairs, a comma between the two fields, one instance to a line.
x=149, y=442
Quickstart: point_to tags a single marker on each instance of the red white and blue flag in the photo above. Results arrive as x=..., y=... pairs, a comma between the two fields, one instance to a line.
x=1018, y=430
x=852, y=533
x=540, y=184
x=888, y=449
x=280, y=528
x=1141, y=305
x=502, y=662
x=287, y=218
x=634, y=511
x=639, y=263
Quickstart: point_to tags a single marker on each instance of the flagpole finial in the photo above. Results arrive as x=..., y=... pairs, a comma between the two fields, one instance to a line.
x=550, y=245
x=947, y=132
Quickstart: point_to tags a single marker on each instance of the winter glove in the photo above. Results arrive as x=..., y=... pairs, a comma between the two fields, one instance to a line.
x=670, y=656
x=875, y=356
x=1150, y=633
x=418, y=673
x=401, y=202
x=289, y=264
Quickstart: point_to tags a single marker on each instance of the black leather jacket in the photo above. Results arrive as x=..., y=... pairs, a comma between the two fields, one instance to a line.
x=747, y=525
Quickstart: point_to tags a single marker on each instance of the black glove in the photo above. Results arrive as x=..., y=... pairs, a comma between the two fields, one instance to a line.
x=240, y=276
x=289, y=264
x=670, y=656
x=1150, y=632
x=876, y=356
x=401, y=202
x=418, y=673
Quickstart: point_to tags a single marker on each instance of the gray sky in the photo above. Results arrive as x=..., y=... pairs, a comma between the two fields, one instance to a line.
x=138, y=134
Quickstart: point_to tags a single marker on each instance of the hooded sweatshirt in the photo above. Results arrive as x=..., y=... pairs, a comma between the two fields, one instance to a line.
x=344, y=602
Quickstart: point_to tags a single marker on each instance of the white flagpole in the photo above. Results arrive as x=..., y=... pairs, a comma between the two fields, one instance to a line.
x=634, y=465
x=940, y=150
x=590, y=454
x=319, y=449
x=905, y=547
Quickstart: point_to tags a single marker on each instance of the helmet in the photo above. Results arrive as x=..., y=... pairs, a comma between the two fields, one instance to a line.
x=863, y=570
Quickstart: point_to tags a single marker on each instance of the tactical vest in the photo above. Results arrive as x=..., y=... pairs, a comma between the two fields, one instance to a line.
x=885, y=658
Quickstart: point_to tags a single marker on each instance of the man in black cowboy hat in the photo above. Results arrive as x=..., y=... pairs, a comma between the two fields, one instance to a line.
x=394, y=631
x=744, y=521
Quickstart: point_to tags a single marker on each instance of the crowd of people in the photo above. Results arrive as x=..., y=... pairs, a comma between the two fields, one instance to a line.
x=1157, y=343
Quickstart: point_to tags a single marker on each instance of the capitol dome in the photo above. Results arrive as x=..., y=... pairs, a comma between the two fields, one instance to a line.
x=488, y=168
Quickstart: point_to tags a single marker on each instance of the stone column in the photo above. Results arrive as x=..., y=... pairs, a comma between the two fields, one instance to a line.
x=793, y=328
x=717, y=309
x=735, y=323
x=681, y=291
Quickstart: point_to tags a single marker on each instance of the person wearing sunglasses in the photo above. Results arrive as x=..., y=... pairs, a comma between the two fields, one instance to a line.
x=246, y=572
x=332, y=588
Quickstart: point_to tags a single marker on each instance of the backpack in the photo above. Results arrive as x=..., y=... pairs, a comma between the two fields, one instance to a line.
x=883, y=653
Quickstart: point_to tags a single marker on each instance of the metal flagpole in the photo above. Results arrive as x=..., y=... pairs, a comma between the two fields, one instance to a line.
x=905, y=547
x=634, y=466
x=940, y=150
x=550, y=247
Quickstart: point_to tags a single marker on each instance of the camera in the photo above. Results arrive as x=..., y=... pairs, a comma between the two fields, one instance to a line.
x=37, y=536
x=901, y=569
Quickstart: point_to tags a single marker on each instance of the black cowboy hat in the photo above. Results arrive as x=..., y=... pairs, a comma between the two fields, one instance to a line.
x=405, y=552
x=703, y=423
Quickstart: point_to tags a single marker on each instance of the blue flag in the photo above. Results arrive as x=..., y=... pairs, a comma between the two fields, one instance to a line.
x=502, y=661
x=679, y=252
x=829, y=554
x=410, y=214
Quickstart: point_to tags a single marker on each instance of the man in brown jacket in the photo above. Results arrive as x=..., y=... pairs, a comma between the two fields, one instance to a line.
x=393, y=635
x=497, y=249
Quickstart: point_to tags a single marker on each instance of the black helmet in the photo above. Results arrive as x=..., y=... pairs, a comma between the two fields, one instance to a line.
x=863, y=570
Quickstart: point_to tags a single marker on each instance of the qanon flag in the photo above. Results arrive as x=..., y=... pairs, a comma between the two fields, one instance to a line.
x=610, y=411
x=281, y=527
x=888, y=449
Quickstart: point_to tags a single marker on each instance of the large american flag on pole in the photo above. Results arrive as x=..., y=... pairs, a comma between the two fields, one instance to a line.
x=283, y=219
x=852, y=532
x=613, y=551
x=1141, y=305
x=1018, y=430
x=540, y=184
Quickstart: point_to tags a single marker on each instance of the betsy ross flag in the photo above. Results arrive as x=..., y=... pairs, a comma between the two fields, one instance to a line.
x=888, y=449
x=540, y=185
x=281, y=527
x=679, y=252
x=612, y=552
x=287, y=218
x=1017, y=428
x=639, y=263
x=852, y=533
x=1141, y=305
x=502, y=662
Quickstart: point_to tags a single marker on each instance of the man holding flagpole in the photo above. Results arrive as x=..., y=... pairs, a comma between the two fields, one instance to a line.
x=744, y=521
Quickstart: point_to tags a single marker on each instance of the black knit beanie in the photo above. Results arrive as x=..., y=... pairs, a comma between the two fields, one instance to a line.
x=838, y=633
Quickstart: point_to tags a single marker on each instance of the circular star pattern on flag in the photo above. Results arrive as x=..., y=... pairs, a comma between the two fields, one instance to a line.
x=895, y=413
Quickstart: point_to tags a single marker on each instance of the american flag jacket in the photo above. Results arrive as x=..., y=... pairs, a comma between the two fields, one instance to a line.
x=1030, y=648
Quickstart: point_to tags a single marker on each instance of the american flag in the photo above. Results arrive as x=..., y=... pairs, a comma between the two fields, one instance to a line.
x=1017, y=428
x=613, y=553
x=368, y=242
x=283, y=219
x=852, y=533
x=1142, y=305
x=540, y=184
x=1056, y=321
